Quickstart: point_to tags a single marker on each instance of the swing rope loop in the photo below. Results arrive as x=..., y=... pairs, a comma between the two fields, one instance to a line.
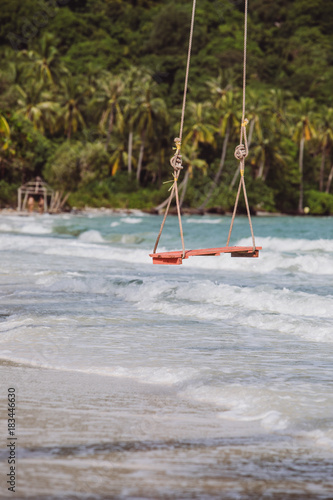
x=241, y=150
x=241, y=153
x=176, y=160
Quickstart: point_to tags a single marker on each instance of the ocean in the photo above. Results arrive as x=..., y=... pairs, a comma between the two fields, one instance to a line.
x=209, y=380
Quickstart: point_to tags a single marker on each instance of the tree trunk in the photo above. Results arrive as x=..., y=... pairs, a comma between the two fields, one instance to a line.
x=69, y=131
x=130, y=150
x=184, y=187
x=234, y=179
x=251, y=129
x=301, y=157
x=261, y=169
x=329, y=180
x=161, y=159
x=141, y=153
x=219, y=171
x=322, y=170
x=2, y=164
x=110, y=127
x=266, y=170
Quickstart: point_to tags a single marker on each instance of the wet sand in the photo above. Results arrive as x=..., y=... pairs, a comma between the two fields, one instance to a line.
x=87, y=436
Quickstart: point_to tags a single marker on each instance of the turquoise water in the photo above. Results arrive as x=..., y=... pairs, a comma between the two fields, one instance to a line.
x=208, y=380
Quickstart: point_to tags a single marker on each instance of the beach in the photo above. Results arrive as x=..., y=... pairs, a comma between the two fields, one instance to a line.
x=210, y=380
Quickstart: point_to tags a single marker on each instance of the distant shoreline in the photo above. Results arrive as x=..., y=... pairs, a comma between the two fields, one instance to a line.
x=135, y=211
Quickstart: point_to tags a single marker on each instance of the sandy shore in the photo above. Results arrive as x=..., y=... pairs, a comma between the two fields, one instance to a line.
x=87, y=436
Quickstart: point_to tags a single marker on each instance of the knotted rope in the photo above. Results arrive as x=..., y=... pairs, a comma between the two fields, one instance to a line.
x=176, y=160
x=176, y=163
x=241, y=150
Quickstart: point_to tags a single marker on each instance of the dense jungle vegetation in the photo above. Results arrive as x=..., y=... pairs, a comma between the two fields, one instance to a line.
x=91, y=93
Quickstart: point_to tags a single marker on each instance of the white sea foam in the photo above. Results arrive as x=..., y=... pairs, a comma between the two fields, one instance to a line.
x=155, y=375
x=148, y=375
x=319, y=438
x=317, y=259
x=6, y=228
x=35, y=229
x=203, y=220
x=254, y=345
x=90, y=251
x=265, y=299
x=31, y=228
x=244, y=403
x=278, y=254
x=293, y=313
x=13, y=325
x=74, y=285
x=131, y=220
x=91, y=236
x=291, y=245
x=77, y=248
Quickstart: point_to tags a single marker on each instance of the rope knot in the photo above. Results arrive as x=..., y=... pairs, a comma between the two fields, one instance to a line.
x=178, y=143
x=176, y=160
x=240, y=152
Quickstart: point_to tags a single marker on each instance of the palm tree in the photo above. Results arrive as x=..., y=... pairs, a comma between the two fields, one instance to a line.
x=264, y=115
x=197, y=127
x=4, y=133
x=45, y=61
x=37, y=105
x=108, y=97
x=197, y=130
x=226, y=103
x=73, y=95
x=135, y=79
x=119, y=154
x=221, y=84
x=150, y=112
x=303, y=132
x=13, y=72
x=330, y=178
x=325, y=135
x=277, y=106
x=4, y=141
x=265, y=153
x=257, y=108
x=190, y=158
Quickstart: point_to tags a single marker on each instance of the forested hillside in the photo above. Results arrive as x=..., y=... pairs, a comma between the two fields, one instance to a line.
x=91, y=91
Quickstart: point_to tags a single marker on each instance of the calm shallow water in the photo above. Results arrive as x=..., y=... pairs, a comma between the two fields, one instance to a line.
x=208, y=380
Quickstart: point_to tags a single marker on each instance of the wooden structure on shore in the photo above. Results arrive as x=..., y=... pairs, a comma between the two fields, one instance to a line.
x=39, y=189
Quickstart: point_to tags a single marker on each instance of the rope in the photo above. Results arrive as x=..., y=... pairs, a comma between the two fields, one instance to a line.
x=241, y=150
x=187, y=71
x=176, y=160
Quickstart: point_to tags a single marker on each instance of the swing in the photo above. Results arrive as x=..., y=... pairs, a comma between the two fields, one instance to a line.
x=241, y=152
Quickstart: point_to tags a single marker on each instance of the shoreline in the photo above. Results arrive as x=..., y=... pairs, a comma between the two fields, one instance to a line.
x=136, y=211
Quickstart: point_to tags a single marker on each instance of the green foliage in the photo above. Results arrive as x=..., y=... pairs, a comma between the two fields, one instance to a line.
x=8, y=194
x=260, y=196
x=73, y=166
x=27, y=151
x=91, y=94
x=319, y=203
x=223, y=199
x=122, y=192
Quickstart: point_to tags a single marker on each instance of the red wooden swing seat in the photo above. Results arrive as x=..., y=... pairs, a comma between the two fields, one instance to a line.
x=176, y=258
x=241, y=152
